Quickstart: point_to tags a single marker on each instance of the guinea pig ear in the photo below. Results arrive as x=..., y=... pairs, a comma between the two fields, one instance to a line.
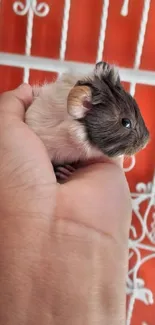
x=104, y=70
x=79, y=101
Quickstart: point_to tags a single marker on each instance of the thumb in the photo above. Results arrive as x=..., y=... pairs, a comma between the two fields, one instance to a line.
x=15, y=102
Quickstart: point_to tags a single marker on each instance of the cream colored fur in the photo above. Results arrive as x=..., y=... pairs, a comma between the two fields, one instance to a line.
x=64, y=138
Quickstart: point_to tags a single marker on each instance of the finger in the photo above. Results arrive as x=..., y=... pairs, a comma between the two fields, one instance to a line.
x=15, y=102
x=96, y=191
x=117, y=161
x=95, y=172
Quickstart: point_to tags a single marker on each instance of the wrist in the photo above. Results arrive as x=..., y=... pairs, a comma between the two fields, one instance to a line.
x=93, y=267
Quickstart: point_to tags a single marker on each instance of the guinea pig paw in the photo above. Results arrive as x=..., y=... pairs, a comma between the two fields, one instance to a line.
x=62, y=173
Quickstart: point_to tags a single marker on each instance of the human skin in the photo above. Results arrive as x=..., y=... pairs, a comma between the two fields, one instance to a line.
x=63, y=248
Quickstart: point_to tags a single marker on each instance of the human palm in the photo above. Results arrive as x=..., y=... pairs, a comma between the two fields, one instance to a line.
x=62, y=243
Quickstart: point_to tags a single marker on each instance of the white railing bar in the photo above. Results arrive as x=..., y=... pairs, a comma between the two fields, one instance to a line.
x=45, y=64
x=125, y=8
x=141, y=39
x=64, y=32
x=104, y=19
x=28, y=41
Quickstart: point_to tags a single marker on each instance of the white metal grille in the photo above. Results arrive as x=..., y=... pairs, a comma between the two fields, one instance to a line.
x=136, y=288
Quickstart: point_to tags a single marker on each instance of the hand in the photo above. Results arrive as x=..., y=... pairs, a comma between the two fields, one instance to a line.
x=64, y=248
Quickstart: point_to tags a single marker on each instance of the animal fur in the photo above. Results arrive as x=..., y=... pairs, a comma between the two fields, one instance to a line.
x=80, y=117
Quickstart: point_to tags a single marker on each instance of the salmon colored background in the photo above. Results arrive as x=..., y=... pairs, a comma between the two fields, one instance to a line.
x=120, y=46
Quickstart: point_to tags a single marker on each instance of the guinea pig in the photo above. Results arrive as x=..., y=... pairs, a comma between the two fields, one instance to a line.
x=113, y=121
x=81, y=117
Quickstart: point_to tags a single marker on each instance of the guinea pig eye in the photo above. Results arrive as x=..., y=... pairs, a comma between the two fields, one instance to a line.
x=126, y=123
